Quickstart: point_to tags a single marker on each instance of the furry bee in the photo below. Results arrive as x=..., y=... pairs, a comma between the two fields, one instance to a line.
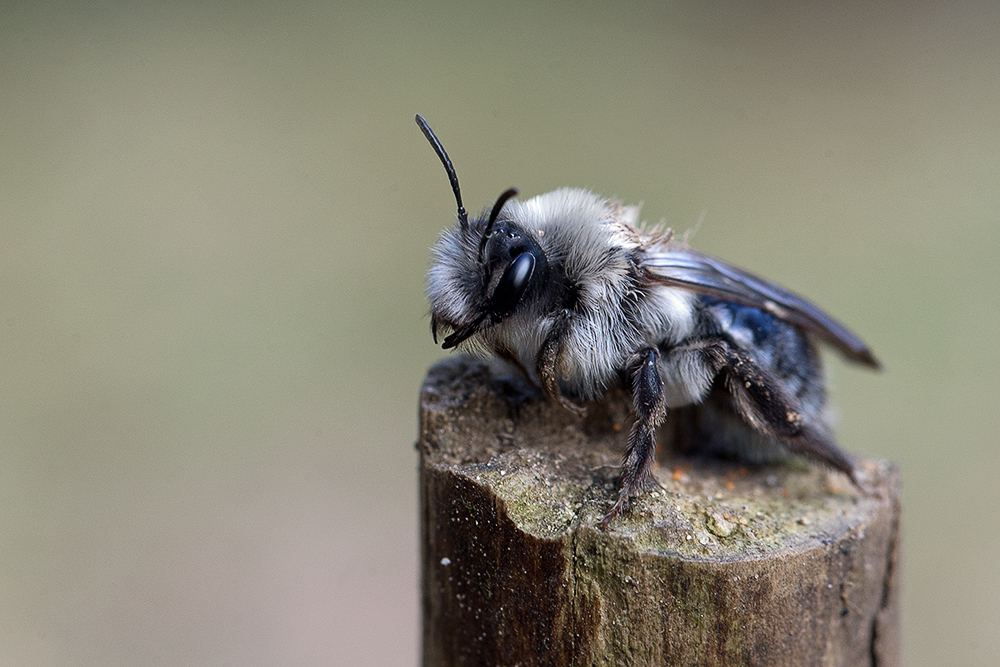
x=569, y=288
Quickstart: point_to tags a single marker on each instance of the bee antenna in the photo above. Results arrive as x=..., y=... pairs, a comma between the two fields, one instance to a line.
x=463, y=217
x=501, y=200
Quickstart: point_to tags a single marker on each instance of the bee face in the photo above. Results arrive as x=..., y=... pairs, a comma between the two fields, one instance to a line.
x=469, y=292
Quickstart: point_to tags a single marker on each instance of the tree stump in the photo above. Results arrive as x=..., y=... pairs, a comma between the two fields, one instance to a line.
x=778, y=565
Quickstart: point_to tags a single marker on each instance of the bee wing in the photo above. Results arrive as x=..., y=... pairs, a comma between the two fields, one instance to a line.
x=689, y=269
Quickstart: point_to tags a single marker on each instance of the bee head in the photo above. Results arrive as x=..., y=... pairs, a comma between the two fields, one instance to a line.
x=485, y=270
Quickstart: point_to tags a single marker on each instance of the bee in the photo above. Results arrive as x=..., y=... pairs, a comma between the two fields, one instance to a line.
x=569, y=288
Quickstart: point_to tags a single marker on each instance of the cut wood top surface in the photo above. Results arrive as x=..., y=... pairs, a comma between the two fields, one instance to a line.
x=556, y=473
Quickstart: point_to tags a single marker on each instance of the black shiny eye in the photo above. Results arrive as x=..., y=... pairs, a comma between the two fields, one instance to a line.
x=512, y=284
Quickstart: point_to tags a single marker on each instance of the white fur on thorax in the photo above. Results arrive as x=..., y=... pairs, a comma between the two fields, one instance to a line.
x=592, y=237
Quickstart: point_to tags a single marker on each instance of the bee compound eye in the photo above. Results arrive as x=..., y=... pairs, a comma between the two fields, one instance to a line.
x=512, y=285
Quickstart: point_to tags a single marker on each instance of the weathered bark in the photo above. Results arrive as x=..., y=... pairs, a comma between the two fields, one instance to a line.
x=782, y=565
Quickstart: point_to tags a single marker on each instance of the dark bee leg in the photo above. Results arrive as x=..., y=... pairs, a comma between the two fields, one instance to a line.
x=548, y=361
x=651, y=409
x=765, y=406
x=511, y=358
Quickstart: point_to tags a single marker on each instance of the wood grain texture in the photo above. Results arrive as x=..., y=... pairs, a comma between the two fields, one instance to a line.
x=778, y=565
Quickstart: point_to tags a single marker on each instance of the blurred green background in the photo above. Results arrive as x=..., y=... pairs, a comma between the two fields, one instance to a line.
x=215, y=229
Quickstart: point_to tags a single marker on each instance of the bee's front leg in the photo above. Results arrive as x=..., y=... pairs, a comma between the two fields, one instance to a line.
x=549, y=360
x=651, y=408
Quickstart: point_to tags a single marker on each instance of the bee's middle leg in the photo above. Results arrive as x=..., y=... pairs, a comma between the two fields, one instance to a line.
x=650, y=406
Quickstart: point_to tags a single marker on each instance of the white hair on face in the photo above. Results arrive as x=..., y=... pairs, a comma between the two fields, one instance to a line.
x=454, y=266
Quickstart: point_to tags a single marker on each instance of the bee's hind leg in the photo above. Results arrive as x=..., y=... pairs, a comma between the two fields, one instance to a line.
x=764, y=404
x=650, y=406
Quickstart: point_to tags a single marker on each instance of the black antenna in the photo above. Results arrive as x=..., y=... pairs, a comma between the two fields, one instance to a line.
x=501, y=200
x=463, y=217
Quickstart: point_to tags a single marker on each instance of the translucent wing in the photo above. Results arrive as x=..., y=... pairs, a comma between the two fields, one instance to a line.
x=688, y=269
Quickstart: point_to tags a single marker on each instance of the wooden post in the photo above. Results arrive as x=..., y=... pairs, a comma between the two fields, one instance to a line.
x=783, y=565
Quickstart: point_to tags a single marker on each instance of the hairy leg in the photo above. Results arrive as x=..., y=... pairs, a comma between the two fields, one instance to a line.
x=763, y=403
x=650, y=407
